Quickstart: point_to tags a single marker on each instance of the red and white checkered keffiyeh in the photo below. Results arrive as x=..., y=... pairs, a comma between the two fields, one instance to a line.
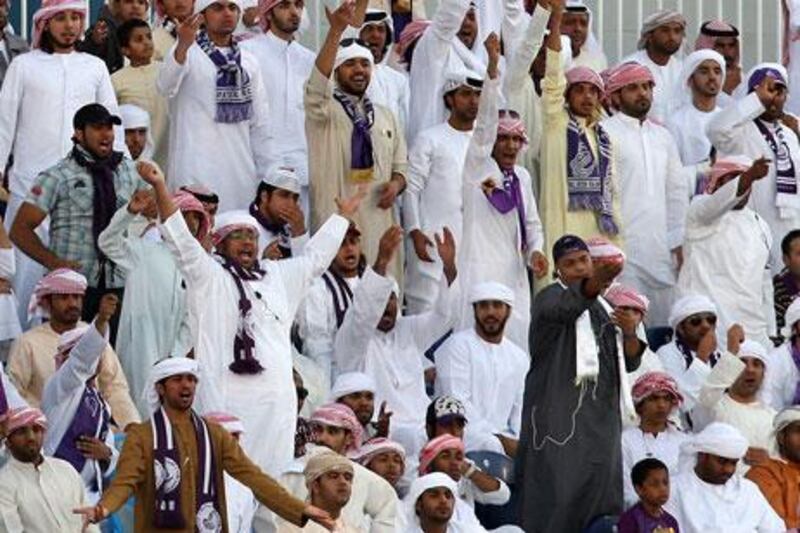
x=374, y=447
x=23, y=417
x=51, y=8
x=338, y=415
x=434, y=448
x=655, y=382
x=620, y=295
x=229, y=422
x=59, y=281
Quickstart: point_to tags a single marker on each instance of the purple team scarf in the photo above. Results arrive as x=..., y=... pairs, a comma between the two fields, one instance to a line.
x=281, y=230
x=91, y=419
x=361, y=158
x=244, y=360
x=508, y=198
x=166, y=465
x=589, y=180
x=341, y=293
x=234, y=92
x=785, y=178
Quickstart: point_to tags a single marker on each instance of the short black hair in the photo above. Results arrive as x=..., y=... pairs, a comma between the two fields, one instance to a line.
x=126, y=29
x=786, y=243
x=642, y=469
x=264, y=187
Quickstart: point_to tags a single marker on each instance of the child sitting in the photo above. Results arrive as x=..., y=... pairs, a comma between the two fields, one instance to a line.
x=651, y=482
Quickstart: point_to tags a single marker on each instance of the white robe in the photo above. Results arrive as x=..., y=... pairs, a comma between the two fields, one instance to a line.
x=781, y=378
x=638, y=445
x=40, y=94
x=726, y=257
x=284, y=95
x=437, y=53
x=654, y=200
x=394, y=359
x=668, y=92
x=61, y=400
x=492, y=247
x=265, y=402
x=735, y=507
x=226, y=158
x=734, y=133
x=389, y=88
x=687, y=124
x=793, y=7
x=432, y=200
x=9, y=322
x=241, y=505
x=489, y=379
x=267, y=237
x=153, y=322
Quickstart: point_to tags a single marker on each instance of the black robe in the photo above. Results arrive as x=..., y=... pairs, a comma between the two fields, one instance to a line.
x=569, y=462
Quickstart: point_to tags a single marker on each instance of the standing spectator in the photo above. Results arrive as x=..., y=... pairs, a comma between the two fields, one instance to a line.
x=216, y=99
x=723, y=38
x=354, y=142
x=577, y=24
x=80, y=194
x=101, y=38
x=10, y=45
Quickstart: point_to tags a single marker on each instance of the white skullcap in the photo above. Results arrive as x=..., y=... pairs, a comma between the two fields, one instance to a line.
x=163, y=369
x=462, y=78
x=283, y=178
x=201, y=5
x=491, y=290
x=694, y=59
x=353, y=51
x=689, y=305
x=134, y=117
x=786, y=417
x=791, y=317
x=752, y=349
x=420, y=485
x=351, y=382
x=230, y=221
x=718, y=438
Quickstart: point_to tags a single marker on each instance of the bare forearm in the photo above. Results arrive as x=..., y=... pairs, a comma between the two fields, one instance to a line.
x=554, y=38
x=327, y=55
x=484, y=482
x=166, y=207
x=31, y=245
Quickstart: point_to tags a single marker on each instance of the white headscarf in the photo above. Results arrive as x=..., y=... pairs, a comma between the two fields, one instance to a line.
x=689, y=305
x=134, y=118
x=491, y=290
x=753, y=349
x=718, y=438
x=420, y=485
x=592, y=45
x=230, y=221
x=201, y=5
x=354, y=51
x=168, y=367
x=351, y=382
x=283, y=178
x=693, y=61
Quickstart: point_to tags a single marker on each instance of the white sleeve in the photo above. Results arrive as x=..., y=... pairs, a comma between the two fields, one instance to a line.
x=419, y=167
x=171, y=73
x=360, y=322
x=690, y=380
x=193, y=261
x=13, y=397
x=677, y=195
x=427, y=328
x=485, y=133
x=7, y=264
x=533, y=223
x=496, y=497
x=10, y=103
x=10, y=519
x=705, y=209
x=520, y=64
x=108, y=98
x=122, y=249
x=260, y=131
x=727, y=130
x=722, y=376
x=77, y=369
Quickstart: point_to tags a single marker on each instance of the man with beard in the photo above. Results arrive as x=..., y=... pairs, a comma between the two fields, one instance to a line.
x=703, y=75
x=577, y=24
x=486, y=371
x=718, y=221
x=219, y=126
x=38, y=492
x=660, y=40
x=388, y=87
x=11, y=45
x=356, y=390
x=285, y=65
x=323, y=310
x=430, y=506
x=708, y=494
x=756, y=125
x=355, y=142
x=723, y=38
x=576, y=395
x=80, y=195
x=653, y=188
x=276, y=207
x=434, y=196
x=54, y=80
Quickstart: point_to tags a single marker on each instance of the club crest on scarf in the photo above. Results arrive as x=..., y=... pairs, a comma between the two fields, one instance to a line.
x=208, y=519
x=167, y=474
x=234, y=92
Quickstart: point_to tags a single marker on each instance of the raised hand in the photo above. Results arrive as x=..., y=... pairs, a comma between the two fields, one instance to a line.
x=383, y=422
x=341, y=17
x=707, y=346
x=187, y=30
x=492, y=44
x=421, y=243
x=446, y=246
x=349, y=206
x=735, y=338
x=141, y=201
x=293, y=215
x=150, y=172
x=388, y=245
x=108, y=307
x=626, y=320
x=767, y=90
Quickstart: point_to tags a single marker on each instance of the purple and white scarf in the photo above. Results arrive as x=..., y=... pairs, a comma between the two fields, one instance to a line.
x=244, y=344
x=362, y=160
x=785, y=173
x=167, y=470
x=234, y=92
x=589, y=179
x=283, y=231
x=508, y=198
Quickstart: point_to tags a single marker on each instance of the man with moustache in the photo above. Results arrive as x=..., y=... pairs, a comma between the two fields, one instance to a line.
x=723, y=38
x=486, y=371
x=53, y=80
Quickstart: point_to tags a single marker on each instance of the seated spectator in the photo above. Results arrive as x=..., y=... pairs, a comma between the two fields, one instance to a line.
x=384, y=457
x=708, y=494
x=430, y=506
x=329, y=479
x=650, y=478
x=59, y=297
x=486, y=370
x=779, y=478
x=786, y=284
x=446, y=454
x=656, y=398
x=372, y=501
x=136, y=123
x=276, y=208
x=37, y=493
x=782, y=379
x=80, y=418
x=735, y=400
x=357, y=391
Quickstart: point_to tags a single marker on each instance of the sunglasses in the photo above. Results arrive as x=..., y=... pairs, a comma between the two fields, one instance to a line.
x=350, y=41
x=302, y=393
x=696, y=320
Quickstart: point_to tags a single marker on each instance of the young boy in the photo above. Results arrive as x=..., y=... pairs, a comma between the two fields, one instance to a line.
x=101, y=39
x=136, y=83
x=651, y=481
x=787, y=283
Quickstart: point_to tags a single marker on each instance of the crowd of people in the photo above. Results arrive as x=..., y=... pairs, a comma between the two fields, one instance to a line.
x=447, y=274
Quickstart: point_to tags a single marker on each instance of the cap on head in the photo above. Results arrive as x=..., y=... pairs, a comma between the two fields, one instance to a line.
x=94, y=114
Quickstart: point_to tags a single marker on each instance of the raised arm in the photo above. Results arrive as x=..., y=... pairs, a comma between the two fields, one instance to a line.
x=554, y=83
x=174, y=67
x=121, y=248
x=726, y=130
x=338, y=21
x=520, y=64
x=484, y=134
